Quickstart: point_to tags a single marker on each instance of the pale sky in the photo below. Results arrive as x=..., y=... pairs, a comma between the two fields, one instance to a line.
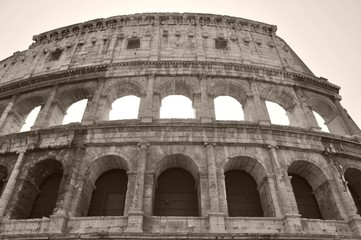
x=326, y=34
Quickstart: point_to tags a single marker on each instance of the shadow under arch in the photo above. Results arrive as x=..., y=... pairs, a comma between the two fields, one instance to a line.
x=95, y=170
x=353, y=178
x=320, y=187
x=28, y=195
x=254, y=175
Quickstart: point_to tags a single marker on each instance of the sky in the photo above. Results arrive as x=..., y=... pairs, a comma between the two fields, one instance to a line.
x=325, y=34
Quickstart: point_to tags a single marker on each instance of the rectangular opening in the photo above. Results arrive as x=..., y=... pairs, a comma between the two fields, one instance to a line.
x=54, y=56
x=133, y=43
x=221, y=44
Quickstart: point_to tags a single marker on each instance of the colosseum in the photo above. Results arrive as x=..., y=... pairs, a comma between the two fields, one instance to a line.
x=194, y=177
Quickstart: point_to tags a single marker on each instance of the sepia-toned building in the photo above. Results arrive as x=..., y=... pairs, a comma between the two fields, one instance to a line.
x=174, y=178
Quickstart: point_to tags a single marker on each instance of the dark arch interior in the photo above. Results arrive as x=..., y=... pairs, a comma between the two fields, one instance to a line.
x=242, y=196
x=306, y=200
x=176, y=194
x=45, y=201
x=108, y=198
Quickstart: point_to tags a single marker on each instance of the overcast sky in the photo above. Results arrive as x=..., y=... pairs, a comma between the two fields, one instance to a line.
x=326, y=34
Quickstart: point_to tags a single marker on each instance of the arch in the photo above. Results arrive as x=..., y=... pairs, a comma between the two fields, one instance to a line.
x=75, y=112
x=30, y=119
x=321, y=122
x=353, y=178
x=229, y=89
x=45, y=175
x=176, y=194
x=126, y=107
x=117, y=91
x=243, y=199
x=177, y=161
x=171, y=105
x=19, y=113
x=321, y=189
x=328, y=111
x=108, y=197
x=3, y=177
x=228, y=108
x=176, y=87
x=306, y=201
x=65, y=99
x=257, y=172
x=101, y=165
x=281, y=97
x=277, y=113
x=45, y=201
x=247, y=164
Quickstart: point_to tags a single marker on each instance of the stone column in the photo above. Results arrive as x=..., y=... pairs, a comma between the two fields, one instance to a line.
x=309, y=119
x=146, y=110
x=204, y=108
x=42, y=120
x=91, y=108
x=291, y=219
x=255, y=107
x=216, y=218
x=135, y=215
x=8, y=108
x=10, y=185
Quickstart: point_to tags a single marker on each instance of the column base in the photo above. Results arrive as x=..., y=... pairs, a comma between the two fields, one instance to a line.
x=264, y=122
x=216, y=222
x=206, y=120
x=292, y=223
x=146, y=119
x=135, y=222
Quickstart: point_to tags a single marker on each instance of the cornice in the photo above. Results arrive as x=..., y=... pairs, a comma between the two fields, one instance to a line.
x=154, y=19
x=297, y=77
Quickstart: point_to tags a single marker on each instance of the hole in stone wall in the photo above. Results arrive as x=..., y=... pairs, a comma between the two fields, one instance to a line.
x=133, y=43
x=228, y=108
x=30, y=119
x=277, y=114
x=221, y=43
x=321, y=122
x=54, y=56
x=125, y=108
x=75, y=112
x=176, y=106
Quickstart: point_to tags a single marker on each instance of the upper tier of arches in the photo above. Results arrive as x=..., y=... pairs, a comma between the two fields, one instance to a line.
x=150, y=97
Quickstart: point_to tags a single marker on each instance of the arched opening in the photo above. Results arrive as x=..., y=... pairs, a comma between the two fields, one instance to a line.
x=45, y=201
x=176, y=194
x=38, y=191
x=125, y=108
x=108, y=198
x=328, y=115
x=242, y=196
x=321, y=122
x=75, y=112
x=353, y=178
x=3, y=178
x=320, y=188
x=228, y=108
x=176, y=106
x=277, y=114
x=306, y=201
x=30, y=119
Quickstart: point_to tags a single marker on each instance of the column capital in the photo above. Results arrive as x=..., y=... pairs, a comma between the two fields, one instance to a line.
x=272, y=146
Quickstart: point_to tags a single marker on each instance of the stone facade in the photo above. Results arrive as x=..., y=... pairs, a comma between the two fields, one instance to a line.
x=153, y=56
